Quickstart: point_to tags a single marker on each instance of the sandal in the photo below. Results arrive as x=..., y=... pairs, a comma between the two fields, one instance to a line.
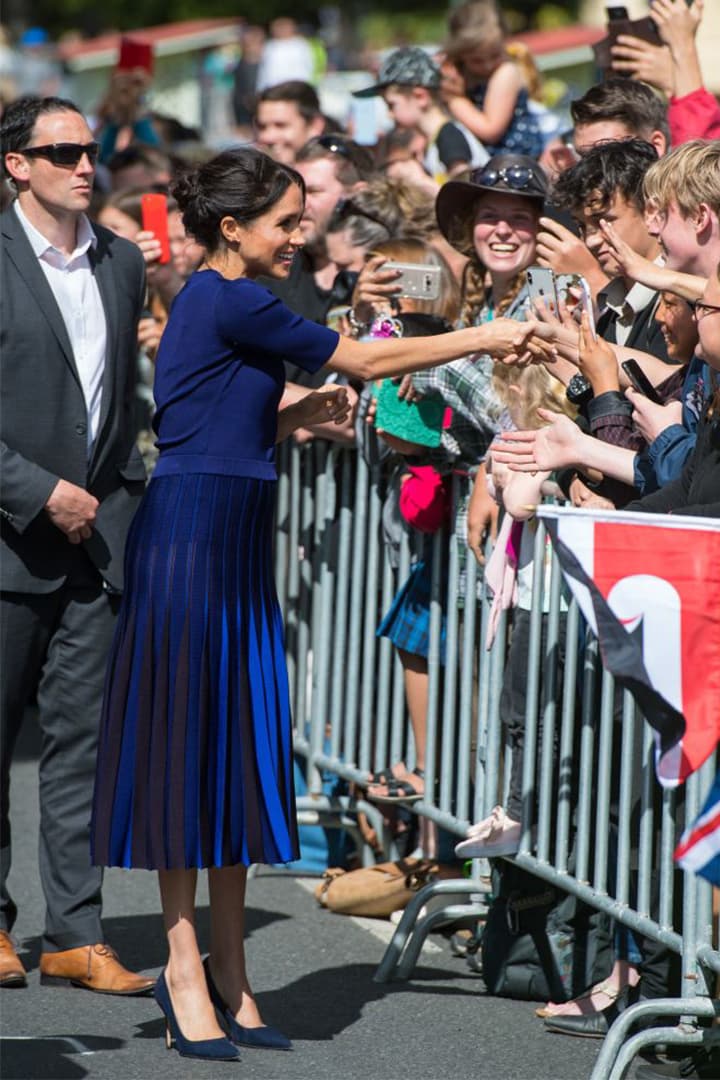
x=382, y=776
x=402, y=791
x=555, y=1009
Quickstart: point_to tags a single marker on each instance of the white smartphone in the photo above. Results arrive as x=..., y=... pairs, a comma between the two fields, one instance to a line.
x=586, y=303
x=541, y=286
x=417, y=280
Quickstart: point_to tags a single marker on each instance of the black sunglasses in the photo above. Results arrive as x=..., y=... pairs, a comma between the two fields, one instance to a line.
x=700, y=309
x=64, y=154
x=518, y=177
x=336, y=145
x=346, y=208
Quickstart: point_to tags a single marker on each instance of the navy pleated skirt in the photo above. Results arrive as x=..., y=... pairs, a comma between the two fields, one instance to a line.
x=194, y=761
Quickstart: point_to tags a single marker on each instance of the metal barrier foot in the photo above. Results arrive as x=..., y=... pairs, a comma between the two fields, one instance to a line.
x=617, y=1050
x=410, y=935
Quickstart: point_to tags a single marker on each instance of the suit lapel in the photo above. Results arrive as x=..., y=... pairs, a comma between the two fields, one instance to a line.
x=102, y=270
x=27, y=264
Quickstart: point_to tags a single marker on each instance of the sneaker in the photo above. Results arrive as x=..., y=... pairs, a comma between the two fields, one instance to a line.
x=496, y=835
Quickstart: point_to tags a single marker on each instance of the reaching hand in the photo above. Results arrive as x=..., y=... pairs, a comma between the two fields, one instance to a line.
x=547, y=448
x=72, y=509
x=630, y=263
x=651, y=419
x=647, y=63
x=597, y=360
x=677, y=22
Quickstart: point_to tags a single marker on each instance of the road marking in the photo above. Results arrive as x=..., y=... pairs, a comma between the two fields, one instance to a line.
x=382, y=929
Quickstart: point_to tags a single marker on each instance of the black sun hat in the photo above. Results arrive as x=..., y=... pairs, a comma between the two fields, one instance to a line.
x=506, y=174
x=409, y=66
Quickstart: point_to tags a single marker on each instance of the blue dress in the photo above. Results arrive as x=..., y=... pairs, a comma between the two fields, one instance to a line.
x=194, y=760
x=523, y=135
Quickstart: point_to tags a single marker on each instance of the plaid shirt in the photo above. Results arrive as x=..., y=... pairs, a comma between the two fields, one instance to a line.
x=477, y=412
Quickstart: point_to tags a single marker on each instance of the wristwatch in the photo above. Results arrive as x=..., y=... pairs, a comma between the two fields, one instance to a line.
x=579, y=390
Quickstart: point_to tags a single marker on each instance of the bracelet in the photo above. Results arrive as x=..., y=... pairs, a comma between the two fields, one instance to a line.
x=356, y=326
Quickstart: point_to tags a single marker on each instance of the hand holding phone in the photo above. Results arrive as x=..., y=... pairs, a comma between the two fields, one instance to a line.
x=155, y=220
x=640, y=382
x=541, y=286
x=421, y=281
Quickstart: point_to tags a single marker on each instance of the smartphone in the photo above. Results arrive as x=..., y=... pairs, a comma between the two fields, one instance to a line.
x=586, y=304
x=417, y=280
x=135, y=53
x=541, y=286
x=616, y=11
x=155, y=220
x=639, y=380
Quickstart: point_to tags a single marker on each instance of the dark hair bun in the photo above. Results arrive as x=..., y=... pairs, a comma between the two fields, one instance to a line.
x=243, y=184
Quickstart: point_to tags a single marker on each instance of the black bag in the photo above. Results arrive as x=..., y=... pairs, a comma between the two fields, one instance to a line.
x=541, y=944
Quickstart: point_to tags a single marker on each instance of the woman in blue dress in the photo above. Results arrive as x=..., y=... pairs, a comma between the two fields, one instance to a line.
x=194, y=761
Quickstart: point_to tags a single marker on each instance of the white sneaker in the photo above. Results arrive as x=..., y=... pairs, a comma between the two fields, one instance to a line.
x=495, y=835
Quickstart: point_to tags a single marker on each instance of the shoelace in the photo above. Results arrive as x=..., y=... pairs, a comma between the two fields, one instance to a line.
x=99, y=950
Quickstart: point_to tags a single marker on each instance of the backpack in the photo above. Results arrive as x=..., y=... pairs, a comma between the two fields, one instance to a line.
x=539, y=943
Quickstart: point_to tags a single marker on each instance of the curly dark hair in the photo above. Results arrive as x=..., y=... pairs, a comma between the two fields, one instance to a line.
x=607, y=169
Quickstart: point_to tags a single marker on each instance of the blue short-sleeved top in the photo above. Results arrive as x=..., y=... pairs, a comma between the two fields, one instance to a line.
x=219, y=375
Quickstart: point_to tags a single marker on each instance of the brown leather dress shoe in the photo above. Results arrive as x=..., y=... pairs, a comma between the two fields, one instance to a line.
x=92, y=967
x=12, y=972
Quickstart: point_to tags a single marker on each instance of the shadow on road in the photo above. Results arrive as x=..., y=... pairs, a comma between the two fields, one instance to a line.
x=320, y=1005
x=139, y=940
x=58, y=1056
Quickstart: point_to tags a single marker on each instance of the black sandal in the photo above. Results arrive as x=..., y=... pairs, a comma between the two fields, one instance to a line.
x=401, y=791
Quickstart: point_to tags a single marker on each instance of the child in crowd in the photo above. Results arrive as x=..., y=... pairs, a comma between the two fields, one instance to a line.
x=409, y=82
x=485, y=88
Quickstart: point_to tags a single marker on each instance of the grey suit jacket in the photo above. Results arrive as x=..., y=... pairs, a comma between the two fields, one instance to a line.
x=43, y=418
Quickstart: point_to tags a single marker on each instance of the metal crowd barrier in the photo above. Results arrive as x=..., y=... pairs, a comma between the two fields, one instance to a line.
x=335, y=583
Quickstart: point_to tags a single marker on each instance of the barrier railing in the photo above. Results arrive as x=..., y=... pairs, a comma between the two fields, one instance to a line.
x=595, y=822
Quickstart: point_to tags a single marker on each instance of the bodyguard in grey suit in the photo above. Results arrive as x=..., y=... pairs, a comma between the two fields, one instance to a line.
x=71, y=480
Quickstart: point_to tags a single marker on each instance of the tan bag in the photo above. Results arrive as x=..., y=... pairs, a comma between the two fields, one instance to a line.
x=374, y=890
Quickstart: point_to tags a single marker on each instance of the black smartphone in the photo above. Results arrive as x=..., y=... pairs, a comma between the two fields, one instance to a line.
x=616, y=11
x=639, y=380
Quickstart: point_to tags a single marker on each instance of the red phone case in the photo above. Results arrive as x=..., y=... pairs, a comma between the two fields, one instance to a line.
x=135, y=53
x=155, y=220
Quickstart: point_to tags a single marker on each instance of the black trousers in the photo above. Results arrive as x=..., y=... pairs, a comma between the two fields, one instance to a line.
x=53, y=649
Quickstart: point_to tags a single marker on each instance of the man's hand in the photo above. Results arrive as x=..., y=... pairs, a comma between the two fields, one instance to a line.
x=565, y=253
x=651, y=419
x=640, y=60
x=72, y=509
x=149, y=334
x=597, y=360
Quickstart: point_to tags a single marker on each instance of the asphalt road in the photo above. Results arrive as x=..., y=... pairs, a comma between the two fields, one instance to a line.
x=313, y=974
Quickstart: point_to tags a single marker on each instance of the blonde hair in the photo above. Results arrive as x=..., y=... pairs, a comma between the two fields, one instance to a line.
x=688, y=176
x=416, y=250
x=519, y=52
x=536, y=389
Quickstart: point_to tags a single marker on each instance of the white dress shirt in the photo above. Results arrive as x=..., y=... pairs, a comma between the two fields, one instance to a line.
x=77, y=294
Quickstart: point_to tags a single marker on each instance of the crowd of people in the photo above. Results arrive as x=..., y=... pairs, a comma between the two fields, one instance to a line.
x=304, y=286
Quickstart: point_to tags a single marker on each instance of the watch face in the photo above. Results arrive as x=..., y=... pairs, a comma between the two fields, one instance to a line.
x=579, y=389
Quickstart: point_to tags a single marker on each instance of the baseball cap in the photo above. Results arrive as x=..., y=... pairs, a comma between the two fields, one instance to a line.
x=409, y=66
